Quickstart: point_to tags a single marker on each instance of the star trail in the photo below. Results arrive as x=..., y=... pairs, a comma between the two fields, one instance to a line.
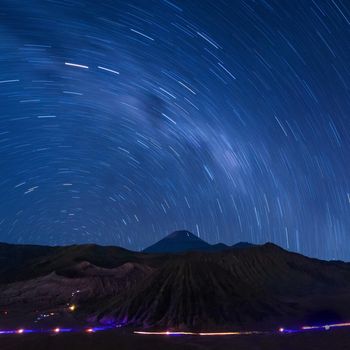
x=121, y=121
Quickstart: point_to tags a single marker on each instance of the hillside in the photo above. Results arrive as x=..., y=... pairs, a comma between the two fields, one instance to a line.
x=240, y=287
x=262, y=286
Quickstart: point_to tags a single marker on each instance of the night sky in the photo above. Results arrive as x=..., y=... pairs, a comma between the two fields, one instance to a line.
x=122, y=121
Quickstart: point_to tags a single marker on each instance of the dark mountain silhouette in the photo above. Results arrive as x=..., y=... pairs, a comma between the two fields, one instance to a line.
x=21, y=262
x=241, y=287
x=257, y=287
x=185, y=241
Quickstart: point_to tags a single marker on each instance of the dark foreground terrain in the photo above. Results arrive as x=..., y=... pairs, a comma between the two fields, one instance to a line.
x=199, y=287
x=238, y=288
x=320, y=340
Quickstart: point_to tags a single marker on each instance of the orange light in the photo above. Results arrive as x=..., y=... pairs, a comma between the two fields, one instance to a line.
x=56, y=330
x=194, y=333
x=222, y=333
x=165, y=333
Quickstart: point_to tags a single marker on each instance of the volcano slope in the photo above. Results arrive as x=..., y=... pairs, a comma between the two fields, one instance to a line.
x=37, y=280
x=252, y=288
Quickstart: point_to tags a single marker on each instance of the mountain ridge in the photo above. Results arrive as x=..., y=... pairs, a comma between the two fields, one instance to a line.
x=260, y=287
x=185, y=241
x=247, y=287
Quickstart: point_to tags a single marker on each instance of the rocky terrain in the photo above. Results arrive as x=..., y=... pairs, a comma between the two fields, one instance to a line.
x=239, y=287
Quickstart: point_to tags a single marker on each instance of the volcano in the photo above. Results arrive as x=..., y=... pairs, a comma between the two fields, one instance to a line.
x=180, y=241
x=181, y=282
x=258, y=287
x=185, y=241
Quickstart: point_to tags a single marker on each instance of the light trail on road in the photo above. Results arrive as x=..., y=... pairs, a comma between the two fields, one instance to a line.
x=88, y=330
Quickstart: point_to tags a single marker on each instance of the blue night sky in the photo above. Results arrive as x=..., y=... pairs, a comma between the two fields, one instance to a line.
x=121, y=121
